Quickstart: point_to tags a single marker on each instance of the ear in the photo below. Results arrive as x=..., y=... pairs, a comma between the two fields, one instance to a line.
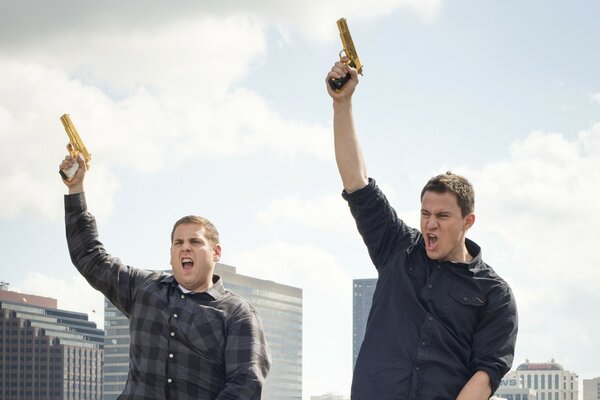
x=469, y=221
x=216, y=252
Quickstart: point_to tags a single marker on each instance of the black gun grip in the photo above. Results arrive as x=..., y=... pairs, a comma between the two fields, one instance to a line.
x=337, y=84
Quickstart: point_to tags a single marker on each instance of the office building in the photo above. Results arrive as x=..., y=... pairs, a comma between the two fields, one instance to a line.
x=362, y=297
x=511, y=388
x=47, y=353
x=549, y=380
x=280, y=309
x=591, y=389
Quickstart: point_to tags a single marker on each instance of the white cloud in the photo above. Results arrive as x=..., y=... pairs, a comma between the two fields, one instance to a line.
x=595, y=97
x=140, y=100
x=538, y=215
x=327, y=306
x=328, y=213
x=313, y=18
x=543, y=198
x=73, y=295
x=145, y=92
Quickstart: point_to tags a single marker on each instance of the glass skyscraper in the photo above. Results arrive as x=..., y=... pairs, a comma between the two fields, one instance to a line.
x=362, y=297
x=47, y=353
x=280, y=309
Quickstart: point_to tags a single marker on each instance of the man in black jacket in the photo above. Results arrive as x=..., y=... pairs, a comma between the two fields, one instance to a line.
x=443, y=324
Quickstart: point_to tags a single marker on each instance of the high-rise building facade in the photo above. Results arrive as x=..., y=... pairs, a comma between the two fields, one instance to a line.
x=549, y=380
x=591, y=389
x=280, y=309
x=47, y=353
x=362, y=297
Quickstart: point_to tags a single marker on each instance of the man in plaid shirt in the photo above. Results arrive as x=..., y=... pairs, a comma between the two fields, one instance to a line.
x=190, y=338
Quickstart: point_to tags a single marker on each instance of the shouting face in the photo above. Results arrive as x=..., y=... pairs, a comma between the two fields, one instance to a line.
x=443, y=227
x=193, y=257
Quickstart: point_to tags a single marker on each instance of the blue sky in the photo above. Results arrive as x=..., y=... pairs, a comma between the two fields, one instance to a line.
x=220, y=109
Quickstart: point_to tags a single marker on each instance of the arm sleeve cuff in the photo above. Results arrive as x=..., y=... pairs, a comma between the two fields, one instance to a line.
x=360, y=193
x=75, y=202
x=493, y=374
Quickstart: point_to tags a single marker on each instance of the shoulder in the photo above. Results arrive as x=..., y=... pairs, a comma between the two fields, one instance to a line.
x=497, y=290
x=237, y=309
x=237, y=303
x=146, y=278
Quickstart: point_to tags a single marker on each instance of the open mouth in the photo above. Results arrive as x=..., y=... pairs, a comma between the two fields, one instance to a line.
x=187, y=263
x=431, y=241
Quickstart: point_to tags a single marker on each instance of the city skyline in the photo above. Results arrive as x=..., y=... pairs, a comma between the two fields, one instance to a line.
x=47, y=352
x=220, y=109
x=25, y=303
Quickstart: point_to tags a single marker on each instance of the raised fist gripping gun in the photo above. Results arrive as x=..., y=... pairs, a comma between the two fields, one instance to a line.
x=75, y=148
x=350, y=53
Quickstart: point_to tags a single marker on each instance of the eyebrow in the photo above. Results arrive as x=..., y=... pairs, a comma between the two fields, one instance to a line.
x=191, y=239
x=439, y=213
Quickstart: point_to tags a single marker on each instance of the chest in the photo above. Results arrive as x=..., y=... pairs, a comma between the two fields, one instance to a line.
x=167, y=318
x=455, y=298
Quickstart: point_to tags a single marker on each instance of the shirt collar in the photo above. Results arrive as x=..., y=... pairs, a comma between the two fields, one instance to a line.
x=474, y=265
x=216, y=291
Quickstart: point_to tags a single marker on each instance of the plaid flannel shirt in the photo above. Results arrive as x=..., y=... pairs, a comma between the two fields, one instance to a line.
x=207, y=345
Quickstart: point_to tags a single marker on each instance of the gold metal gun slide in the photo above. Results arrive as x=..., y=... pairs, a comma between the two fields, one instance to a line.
x=75, y=147
x=349, y=51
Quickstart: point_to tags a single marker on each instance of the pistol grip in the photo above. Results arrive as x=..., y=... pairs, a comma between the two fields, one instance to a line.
x=337, y=84
x=69, y=173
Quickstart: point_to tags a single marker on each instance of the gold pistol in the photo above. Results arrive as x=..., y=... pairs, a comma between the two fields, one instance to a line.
x=75, y=147
x=350, y=52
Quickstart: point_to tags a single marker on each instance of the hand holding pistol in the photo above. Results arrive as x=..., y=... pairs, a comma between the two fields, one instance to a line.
x=350, y=53
x=75, y=148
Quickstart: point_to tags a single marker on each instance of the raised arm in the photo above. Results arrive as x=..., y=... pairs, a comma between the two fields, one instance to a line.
x=348, y=154
x=104, y=272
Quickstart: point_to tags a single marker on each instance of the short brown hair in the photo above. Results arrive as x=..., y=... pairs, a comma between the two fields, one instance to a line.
x=456, y=184
x=210, y=231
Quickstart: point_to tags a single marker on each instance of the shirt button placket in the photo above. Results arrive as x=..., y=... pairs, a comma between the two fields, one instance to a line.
x=171, y=344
